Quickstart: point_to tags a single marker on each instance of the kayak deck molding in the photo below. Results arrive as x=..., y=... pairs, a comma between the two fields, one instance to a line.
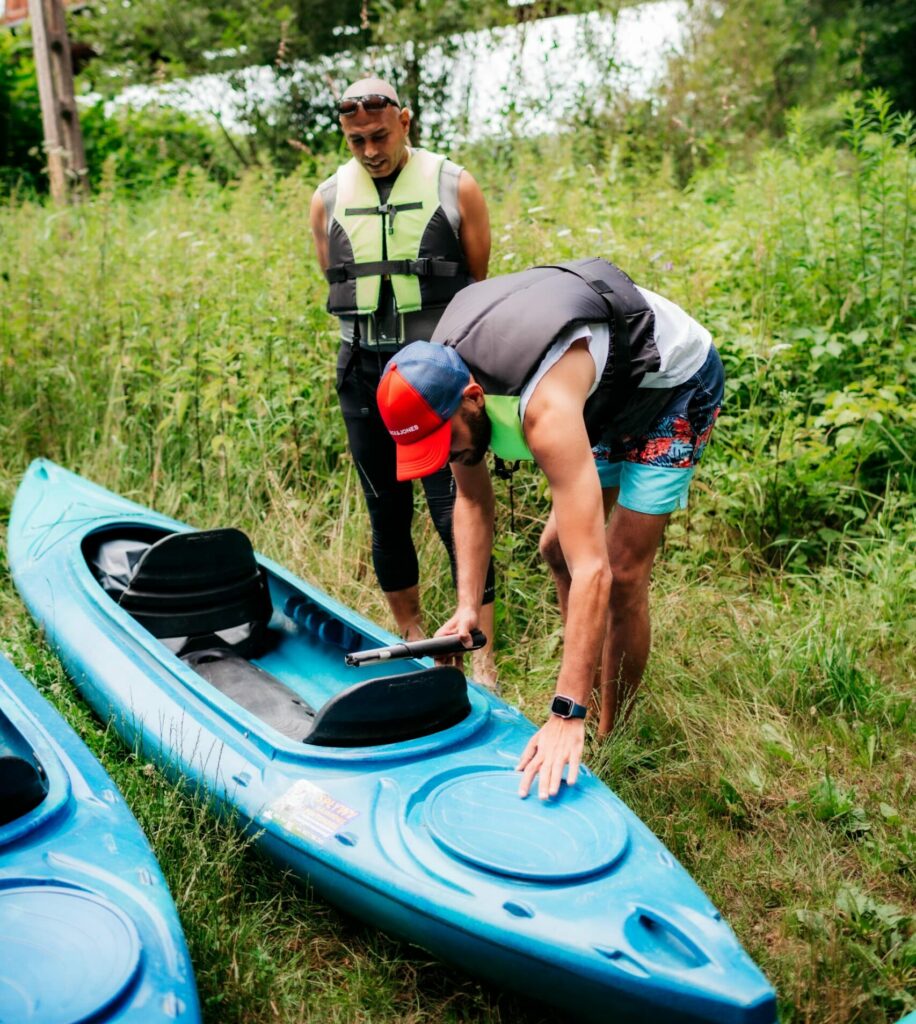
x=571, y=901
x=88, y=930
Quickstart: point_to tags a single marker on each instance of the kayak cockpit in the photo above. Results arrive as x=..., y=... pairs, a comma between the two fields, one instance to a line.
x=204, y=596
x=23, y=781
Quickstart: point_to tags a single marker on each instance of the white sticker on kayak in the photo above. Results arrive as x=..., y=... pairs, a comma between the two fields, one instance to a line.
x=307, y=810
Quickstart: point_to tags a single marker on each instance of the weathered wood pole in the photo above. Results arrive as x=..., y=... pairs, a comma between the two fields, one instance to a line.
x=59, y=116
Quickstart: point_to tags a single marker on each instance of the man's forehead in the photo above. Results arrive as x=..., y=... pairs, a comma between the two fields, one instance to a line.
x=365, y=86
x=367, y=122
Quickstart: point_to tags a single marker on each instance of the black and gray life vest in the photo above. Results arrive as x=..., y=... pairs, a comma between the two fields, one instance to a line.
x=504, y=326
x=411, y=238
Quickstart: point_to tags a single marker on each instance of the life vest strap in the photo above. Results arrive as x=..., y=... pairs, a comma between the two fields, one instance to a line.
x=620, y=345
x=389, y=210
x=425, y=266
x=382, y=210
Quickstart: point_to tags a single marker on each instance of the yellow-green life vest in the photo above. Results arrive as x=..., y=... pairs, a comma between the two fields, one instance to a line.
x=409, y=238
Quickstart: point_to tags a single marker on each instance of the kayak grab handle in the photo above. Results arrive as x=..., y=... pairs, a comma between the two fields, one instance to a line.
x=431, y=648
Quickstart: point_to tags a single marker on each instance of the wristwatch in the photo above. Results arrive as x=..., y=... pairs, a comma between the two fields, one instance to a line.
x=566, y=707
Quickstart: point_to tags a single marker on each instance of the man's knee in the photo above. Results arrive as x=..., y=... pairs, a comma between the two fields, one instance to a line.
x=552, y=553
x=630, y=587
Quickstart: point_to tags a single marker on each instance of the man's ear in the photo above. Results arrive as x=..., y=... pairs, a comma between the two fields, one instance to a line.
x=473, y=393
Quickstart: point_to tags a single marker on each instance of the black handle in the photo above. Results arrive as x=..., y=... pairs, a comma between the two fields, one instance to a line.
x=437, y=645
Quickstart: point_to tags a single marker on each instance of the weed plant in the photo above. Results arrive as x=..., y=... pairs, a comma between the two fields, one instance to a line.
x=175, y=349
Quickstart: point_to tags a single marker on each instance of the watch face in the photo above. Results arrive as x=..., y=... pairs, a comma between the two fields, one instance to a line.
x=562, y=706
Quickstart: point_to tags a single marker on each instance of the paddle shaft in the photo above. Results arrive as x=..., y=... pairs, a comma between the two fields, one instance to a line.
x=434, y=647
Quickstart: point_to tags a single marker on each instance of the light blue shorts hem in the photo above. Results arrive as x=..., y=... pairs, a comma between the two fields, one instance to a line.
x=654, y=490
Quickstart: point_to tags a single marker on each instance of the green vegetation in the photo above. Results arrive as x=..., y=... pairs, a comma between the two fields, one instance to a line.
x=174, y=347
x=145, y=149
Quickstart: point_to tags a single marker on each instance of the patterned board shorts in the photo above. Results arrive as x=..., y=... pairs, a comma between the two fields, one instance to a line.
x=654, y=470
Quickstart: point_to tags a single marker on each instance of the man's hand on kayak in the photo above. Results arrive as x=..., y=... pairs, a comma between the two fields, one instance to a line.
x=460, y=624
x=557, y=743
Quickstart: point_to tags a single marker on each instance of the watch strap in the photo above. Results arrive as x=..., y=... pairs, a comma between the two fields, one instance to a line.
x=566, y=707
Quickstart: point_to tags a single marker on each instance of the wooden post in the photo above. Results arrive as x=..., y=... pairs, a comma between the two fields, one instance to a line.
x=59, y=116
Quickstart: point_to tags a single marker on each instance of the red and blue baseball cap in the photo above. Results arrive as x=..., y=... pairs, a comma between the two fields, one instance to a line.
x=418, y=394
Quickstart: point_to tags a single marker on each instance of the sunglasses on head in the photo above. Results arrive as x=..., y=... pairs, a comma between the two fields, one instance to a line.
x=372, y=101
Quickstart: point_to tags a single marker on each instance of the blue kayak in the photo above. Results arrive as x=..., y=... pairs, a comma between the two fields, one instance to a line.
x=392, y=789
x=88, y=930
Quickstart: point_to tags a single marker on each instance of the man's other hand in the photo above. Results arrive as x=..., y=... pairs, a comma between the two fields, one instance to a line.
x=460, y=624
x=557, y=743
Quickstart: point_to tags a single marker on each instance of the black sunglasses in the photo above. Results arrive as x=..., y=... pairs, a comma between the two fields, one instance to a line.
x=372, y=101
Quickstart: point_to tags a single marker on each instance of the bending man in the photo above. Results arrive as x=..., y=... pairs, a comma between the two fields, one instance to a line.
x=398, y=232
x=575, y=367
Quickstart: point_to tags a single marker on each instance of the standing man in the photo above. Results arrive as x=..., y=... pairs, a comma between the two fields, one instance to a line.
x=398, y=232
x=575, y=367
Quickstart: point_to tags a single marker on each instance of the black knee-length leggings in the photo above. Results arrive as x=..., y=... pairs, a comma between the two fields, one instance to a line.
x=390, y=501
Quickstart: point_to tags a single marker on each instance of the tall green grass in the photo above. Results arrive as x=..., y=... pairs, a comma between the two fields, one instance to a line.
x=175, y=349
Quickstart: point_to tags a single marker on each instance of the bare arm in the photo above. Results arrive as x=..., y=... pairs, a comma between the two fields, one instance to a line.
x=472, y=527
x=318, y=219
x=555, y=431
x=474, y=232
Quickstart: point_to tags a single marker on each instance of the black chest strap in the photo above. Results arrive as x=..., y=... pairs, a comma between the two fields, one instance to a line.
x=389, y=210
x=424, y=266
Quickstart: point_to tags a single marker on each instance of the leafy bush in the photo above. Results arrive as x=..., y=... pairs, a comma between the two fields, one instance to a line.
x=820, y=423
x=151, y=145
x=20, y=118
x=145, y=147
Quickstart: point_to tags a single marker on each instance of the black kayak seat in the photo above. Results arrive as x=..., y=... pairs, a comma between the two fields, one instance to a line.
x=197, y=584
x=23, y=783
x=370, y=713
x=392, y=709
x=205, y=596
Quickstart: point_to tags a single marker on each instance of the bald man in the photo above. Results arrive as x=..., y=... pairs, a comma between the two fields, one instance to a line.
x=398, y=232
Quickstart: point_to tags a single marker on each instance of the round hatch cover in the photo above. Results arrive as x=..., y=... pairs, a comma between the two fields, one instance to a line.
x=65, y=954
x=481, y=819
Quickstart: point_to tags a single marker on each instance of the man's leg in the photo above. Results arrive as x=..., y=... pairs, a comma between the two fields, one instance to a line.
x=389, y=502
x=633, y=539
x=405, y=607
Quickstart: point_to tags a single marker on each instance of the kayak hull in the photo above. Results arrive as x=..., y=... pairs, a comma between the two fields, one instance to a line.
x=571, y=901
x=88, y=929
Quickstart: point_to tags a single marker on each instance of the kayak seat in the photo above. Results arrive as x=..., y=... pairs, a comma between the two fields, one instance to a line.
x=255, y=690
x=370, y=713
x=392, y=709
x=201, y=590
x=23, y=784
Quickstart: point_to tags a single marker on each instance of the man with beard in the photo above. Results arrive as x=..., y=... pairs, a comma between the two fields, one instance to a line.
x=575, y=367
x=398, y=232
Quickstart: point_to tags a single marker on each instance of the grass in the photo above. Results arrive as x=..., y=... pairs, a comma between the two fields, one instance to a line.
x=174, y=348
x=785, y=798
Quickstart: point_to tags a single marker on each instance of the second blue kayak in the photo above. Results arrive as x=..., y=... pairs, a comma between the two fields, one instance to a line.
x=88, y=930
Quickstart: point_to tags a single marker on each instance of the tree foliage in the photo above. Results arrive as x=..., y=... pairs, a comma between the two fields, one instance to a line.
x=142, y=147
x=747, y=63
x=20, y=117
x=156, y=39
